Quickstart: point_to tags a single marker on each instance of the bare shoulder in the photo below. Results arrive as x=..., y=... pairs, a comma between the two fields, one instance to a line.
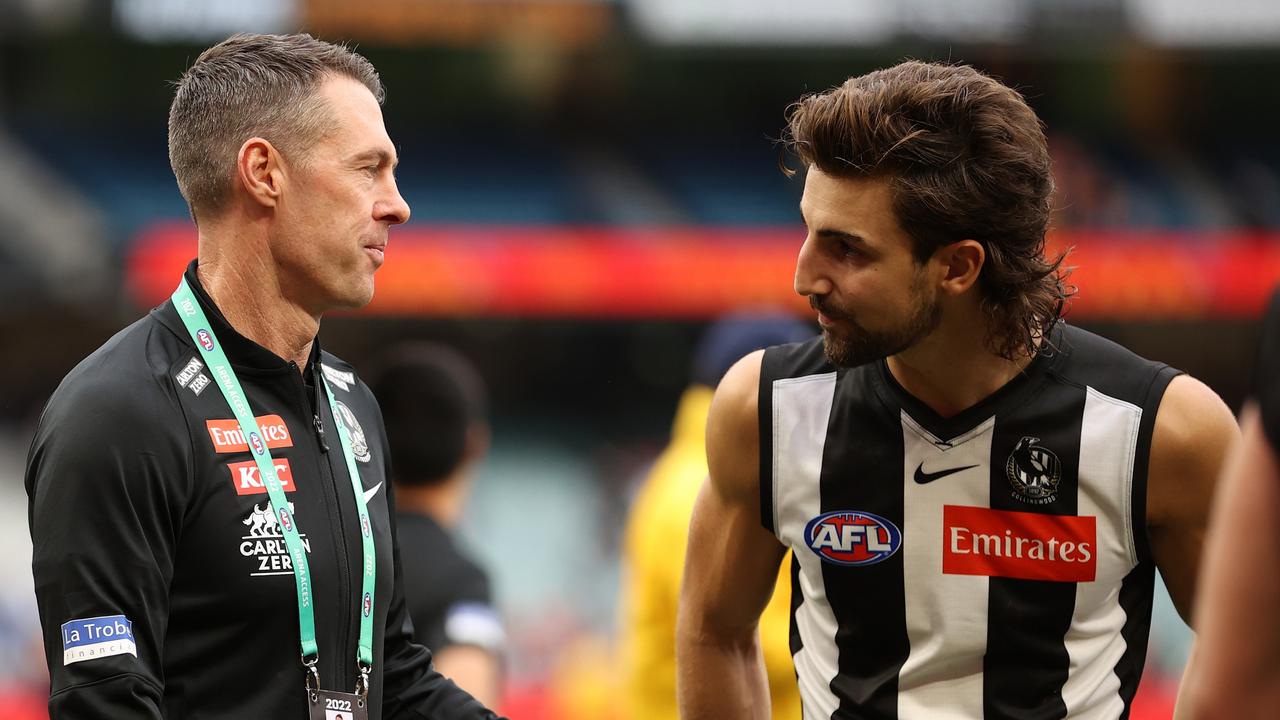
x=733, y=431
x=1192, y=420
x=1194, y=429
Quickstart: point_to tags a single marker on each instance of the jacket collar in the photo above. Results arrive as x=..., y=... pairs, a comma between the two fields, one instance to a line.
x=240, y=350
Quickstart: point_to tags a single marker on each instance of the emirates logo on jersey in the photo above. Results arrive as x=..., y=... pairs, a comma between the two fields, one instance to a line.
x=1034, y=472
x=1029, y=546
x=227, y=436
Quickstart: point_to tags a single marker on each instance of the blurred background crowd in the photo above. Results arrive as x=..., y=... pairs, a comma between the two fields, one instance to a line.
x=592, y=183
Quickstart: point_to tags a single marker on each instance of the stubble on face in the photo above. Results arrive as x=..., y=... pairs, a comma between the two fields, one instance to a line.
x=858, y=345
x=327, y=244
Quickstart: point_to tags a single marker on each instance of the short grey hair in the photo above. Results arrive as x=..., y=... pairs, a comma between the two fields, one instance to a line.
x=252, y=86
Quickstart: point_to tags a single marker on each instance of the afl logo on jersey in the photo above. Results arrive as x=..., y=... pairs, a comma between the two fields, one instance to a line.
x=206, y=340
x=852, y=537
x=1034, y=472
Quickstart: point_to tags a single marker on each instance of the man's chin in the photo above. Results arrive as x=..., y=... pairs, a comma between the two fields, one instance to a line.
x=843, y=353
x=354, y=298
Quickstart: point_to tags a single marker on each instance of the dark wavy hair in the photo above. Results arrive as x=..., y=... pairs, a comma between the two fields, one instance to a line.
x=965, y=158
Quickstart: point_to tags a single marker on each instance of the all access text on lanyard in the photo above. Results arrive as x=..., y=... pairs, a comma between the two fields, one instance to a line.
x=210, y=348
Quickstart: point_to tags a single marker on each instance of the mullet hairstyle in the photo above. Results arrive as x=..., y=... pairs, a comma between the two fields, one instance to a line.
x=253, y=86
x=965, y=158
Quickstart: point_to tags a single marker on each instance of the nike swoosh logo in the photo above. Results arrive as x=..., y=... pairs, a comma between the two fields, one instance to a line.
x=923, y=477
x=368, y=494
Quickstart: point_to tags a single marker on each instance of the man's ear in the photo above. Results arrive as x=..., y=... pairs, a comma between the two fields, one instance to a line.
x=260, y=171
x=962, y=264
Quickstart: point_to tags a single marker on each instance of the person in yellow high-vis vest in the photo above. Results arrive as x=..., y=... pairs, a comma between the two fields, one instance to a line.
x=657, y=531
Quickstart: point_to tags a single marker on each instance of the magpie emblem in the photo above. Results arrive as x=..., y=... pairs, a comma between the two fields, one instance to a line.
x=1034, y=472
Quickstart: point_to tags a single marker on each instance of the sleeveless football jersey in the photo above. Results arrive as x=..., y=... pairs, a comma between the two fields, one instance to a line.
x=993, y=564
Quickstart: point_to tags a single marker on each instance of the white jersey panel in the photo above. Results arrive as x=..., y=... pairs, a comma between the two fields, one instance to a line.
x=801, y=412
x=946, y=614
x=1095, y=644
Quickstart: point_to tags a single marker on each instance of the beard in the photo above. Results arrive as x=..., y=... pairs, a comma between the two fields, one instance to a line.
x=859, y=345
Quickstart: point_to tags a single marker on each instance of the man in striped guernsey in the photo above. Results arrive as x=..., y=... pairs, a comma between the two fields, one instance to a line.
x=977, y=495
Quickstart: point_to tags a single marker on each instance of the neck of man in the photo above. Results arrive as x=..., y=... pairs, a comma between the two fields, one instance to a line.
x=249, y=293
x=442, y=501
x=952, y=369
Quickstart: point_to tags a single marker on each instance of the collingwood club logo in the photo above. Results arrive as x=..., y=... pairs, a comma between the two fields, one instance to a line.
x=1034, y=472
x=359, y=445
x=264, y=542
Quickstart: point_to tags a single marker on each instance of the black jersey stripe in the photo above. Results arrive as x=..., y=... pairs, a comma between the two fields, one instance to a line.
x=862, y=471
x=1135, y=598
x=797, y=597
x=1136, y=590
x=1027, y=663
x=765, y=418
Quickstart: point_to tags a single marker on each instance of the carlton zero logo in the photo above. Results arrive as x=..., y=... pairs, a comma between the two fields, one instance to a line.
x=264, y=544
x=248, y=481
x=1029, y=546
x=190, y=376
x=852, y=537
x=226, y=435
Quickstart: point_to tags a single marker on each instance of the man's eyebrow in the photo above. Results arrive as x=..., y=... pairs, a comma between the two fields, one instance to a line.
x=382, y=156
x=840, y=235
x=833, y=234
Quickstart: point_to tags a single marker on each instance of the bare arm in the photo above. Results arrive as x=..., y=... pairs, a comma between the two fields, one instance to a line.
x=1236, y=670
x=1194, y=432
x=730, y=568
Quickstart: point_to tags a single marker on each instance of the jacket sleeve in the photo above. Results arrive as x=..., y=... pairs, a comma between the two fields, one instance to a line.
x=107, y=477
x=412, y=689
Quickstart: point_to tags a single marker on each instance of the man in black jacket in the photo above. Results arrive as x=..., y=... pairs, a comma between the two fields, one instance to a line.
x=213, y=529
x=434, y=408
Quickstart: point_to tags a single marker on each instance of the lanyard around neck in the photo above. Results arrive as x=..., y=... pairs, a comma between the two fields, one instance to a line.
x=210, y=348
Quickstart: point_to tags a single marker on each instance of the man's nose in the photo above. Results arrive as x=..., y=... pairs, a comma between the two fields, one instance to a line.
x=810, y=279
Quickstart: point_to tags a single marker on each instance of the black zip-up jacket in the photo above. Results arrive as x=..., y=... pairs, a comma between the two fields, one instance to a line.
x=145, y=503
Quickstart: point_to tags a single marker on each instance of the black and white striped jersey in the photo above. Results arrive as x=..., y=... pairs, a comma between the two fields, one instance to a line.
x=993, y=564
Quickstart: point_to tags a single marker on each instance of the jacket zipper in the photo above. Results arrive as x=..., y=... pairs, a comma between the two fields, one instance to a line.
x=347, y=658
x=338, y=660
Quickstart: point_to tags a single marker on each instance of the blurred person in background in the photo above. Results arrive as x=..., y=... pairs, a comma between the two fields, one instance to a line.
x=1235, y=667
x=191, y=559
x=658, y=527
x=976, y=495
x=434, y=406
